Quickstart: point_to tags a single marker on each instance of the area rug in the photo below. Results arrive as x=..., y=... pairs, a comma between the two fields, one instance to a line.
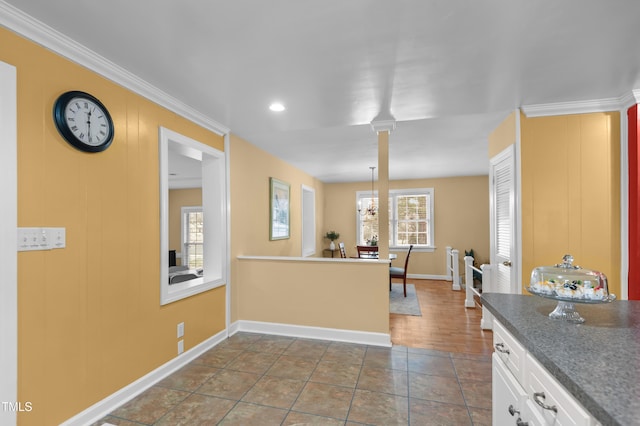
x=398, y=304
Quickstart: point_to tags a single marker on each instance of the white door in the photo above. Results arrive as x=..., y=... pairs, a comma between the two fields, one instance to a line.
x=503, y=218
x=308, y=221
x=8, y=244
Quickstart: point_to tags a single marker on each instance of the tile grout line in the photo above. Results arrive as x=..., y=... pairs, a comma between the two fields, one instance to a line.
x=195, y=391
x=355, y=387
x=260, y=378
x=464, y=397
x=225, y=368
x=306, y=382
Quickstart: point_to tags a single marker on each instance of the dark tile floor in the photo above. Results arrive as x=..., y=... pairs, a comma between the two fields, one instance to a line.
x=255, y=379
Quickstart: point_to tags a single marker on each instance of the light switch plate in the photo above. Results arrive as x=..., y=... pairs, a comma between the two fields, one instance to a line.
x=31, y=239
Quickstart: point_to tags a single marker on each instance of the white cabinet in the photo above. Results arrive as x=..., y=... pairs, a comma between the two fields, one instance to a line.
x=552, y=401
x=509, y=350
x=508, y=396
x=530, y=413
x=525, y=393
x=510, y=405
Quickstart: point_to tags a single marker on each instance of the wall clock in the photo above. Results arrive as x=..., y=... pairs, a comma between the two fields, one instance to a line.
x=83, y=121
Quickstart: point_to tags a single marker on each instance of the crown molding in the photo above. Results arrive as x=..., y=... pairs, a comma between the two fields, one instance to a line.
x=631, y=98
x=25, y=25
x=583, y=107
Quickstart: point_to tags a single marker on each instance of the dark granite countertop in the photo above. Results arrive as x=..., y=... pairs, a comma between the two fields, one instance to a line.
x=598, y=361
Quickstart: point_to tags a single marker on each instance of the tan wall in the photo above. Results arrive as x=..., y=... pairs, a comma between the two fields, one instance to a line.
x=571, y=192
x=89, y=316
x=179, y=198
x=250, y=171
x=503, y=136
x=341, y=294
x=461, y=218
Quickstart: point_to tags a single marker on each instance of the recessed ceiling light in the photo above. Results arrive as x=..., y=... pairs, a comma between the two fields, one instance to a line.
x=276, y=107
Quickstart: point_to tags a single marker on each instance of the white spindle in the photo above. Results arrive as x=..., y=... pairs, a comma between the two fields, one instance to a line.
x=448, y=266
x=456, y=270
x=488, y=276
x=468, y=282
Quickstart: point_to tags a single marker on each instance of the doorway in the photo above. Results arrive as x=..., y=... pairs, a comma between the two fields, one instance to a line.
x=308, y=221
x=503, y=250
x=8, y=251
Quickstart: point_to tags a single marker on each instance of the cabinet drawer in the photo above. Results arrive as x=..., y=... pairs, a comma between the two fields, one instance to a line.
x=531, y=415
x=543, y=389
x=509, y=351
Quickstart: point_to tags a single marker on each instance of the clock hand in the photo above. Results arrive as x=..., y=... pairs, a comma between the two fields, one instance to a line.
x=89, y=125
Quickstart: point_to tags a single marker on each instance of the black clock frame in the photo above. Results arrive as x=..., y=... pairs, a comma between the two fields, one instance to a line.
x=64, y=130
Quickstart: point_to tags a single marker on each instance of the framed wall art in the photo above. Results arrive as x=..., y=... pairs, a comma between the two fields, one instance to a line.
x=279, y=209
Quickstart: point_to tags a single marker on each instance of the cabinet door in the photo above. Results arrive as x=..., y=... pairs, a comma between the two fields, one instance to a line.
x=508, y=396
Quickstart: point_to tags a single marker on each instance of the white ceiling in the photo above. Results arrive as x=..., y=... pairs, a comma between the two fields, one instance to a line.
x=447, y=70
x=185, y=171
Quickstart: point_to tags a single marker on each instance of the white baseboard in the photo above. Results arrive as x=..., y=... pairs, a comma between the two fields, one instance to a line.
x=430, y=277
x=308, y=332
x=115, y=400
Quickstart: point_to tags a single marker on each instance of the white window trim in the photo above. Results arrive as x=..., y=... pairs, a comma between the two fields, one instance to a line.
x=183, y=229
x=214, y=207
x=393, y=221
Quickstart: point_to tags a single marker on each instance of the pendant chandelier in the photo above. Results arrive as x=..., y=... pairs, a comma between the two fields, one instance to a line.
x=371, y=209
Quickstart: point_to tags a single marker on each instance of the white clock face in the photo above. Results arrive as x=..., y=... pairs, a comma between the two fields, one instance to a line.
x=87, y=121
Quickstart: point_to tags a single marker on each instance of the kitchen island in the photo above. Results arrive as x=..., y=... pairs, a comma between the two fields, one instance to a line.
x=597, y=362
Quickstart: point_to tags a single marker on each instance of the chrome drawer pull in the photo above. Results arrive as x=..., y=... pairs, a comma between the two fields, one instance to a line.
x=519, y=421
x=500, y=348
x=539, y=398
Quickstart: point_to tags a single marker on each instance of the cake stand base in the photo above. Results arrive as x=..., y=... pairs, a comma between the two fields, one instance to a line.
x=565, y=311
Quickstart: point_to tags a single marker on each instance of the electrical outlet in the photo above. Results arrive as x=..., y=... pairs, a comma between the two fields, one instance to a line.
x=180, y=346
x=181, y=329
x=57, y=237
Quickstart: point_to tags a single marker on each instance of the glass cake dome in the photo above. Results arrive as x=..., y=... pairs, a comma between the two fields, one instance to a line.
x=569, y=284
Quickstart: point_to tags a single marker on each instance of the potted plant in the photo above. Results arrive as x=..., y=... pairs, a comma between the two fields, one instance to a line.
x=332, y=235
x=373, y=241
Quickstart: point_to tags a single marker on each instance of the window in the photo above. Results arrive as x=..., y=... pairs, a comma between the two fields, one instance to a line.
x=206, y=244
x=410, y=218
x=192, y=237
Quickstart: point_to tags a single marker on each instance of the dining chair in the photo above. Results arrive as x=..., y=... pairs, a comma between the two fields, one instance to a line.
x=367, y=252
x=395, y=272
x=343, y=252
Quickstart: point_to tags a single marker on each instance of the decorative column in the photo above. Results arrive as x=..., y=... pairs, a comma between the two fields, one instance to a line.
x=383, y=128
x=633, y=279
